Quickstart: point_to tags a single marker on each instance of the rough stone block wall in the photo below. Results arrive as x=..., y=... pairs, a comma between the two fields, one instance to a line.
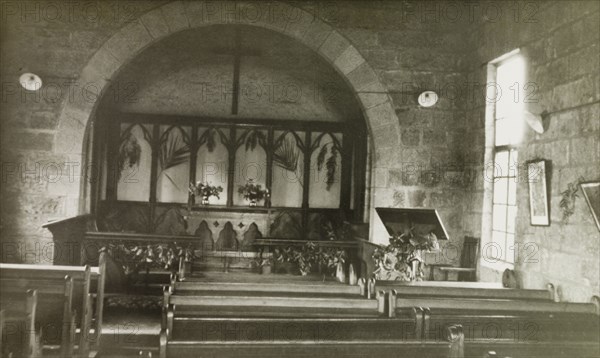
x=54, y=40
x=410, y=46
x=560, y=42
x=413, y=47
x=409, y=51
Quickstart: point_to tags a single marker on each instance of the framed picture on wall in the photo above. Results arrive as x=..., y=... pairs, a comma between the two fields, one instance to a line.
x=591, y=192
x=539, y=207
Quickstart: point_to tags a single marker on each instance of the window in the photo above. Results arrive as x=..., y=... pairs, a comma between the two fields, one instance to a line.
x=505, y=108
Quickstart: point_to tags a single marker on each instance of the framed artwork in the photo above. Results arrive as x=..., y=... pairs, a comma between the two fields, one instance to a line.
x=538, y=192
x=591, y=192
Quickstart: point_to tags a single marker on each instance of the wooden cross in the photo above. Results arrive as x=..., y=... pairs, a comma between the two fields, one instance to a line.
x=237, y=52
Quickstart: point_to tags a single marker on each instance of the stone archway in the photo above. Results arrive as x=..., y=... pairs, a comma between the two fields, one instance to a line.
x=159, y=23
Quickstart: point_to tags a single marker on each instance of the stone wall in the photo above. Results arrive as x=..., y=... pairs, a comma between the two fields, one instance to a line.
x=386, y=51
x=559, y=41
x=413, y=46
x=74, y=45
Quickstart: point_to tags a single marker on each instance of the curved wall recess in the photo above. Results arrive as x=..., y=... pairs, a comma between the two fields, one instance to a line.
x=159, y=23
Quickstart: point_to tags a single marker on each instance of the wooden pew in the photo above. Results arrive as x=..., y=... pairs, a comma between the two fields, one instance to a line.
x=498, y=305
x=468, y=291
x=280, y=346
x=87, y=287
x=17, y=327
x=259, y=304
x=191, y=288
x=561, y=329
x=55, y=325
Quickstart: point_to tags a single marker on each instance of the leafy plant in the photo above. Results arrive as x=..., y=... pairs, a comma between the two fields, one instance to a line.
x=172, y=152
x=332, y=256
x=310, y=254
x=133, y=258
x=205, y=190
x=253, y=138
x=394, y=261
x=286, y=155
x=208, y=138
x=251, y=191
x=130, y=151
x=567, y=203
x=330, y=164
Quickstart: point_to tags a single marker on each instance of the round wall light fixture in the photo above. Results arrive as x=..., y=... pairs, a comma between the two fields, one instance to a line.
x=427, y=99
x=30, y=81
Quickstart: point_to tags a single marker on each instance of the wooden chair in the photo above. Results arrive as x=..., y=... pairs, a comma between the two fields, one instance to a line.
x=468, y=262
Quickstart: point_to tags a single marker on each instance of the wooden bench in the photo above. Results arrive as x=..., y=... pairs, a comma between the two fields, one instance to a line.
x=282, y=303
x=467, y=291
x=54, y=314
x=87, y=288
x=17, y=327
x=361, y=345
x=497, y=305
x=518, y=328
x=194, y=288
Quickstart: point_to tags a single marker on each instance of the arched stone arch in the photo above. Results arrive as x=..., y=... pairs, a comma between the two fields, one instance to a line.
x=176, y=16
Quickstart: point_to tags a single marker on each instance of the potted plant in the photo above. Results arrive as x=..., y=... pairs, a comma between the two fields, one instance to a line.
x=402, y=258
x=304, y=257
x=135, y=258
x=205, y=191
x=334, y=259
x=252, y=192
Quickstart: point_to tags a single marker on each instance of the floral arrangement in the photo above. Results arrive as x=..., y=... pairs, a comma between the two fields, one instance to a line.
x=135, y=258
x=205, y=191
x=402, y=258
x=309, y=255
x=252, y=192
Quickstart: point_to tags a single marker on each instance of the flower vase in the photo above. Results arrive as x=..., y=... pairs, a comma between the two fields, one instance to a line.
x=205, y=200
x=414, y=270
x=340, y=273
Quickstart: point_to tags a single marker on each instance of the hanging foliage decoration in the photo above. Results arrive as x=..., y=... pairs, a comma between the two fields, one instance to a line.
x=172, y=153
x=330, y=164
x=130, y=151
x=253, y=138
x=286, y=155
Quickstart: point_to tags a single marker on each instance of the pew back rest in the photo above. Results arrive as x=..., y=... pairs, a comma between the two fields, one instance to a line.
x=17, y=325
x=471, y=292
x=499, y=305
x=86, y=280
x=523, y=326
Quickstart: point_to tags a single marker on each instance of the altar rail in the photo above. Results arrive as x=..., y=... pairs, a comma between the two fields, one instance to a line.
x=77, y=241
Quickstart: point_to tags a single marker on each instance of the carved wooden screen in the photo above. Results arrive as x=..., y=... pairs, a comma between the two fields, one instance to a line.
x=313, y=170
